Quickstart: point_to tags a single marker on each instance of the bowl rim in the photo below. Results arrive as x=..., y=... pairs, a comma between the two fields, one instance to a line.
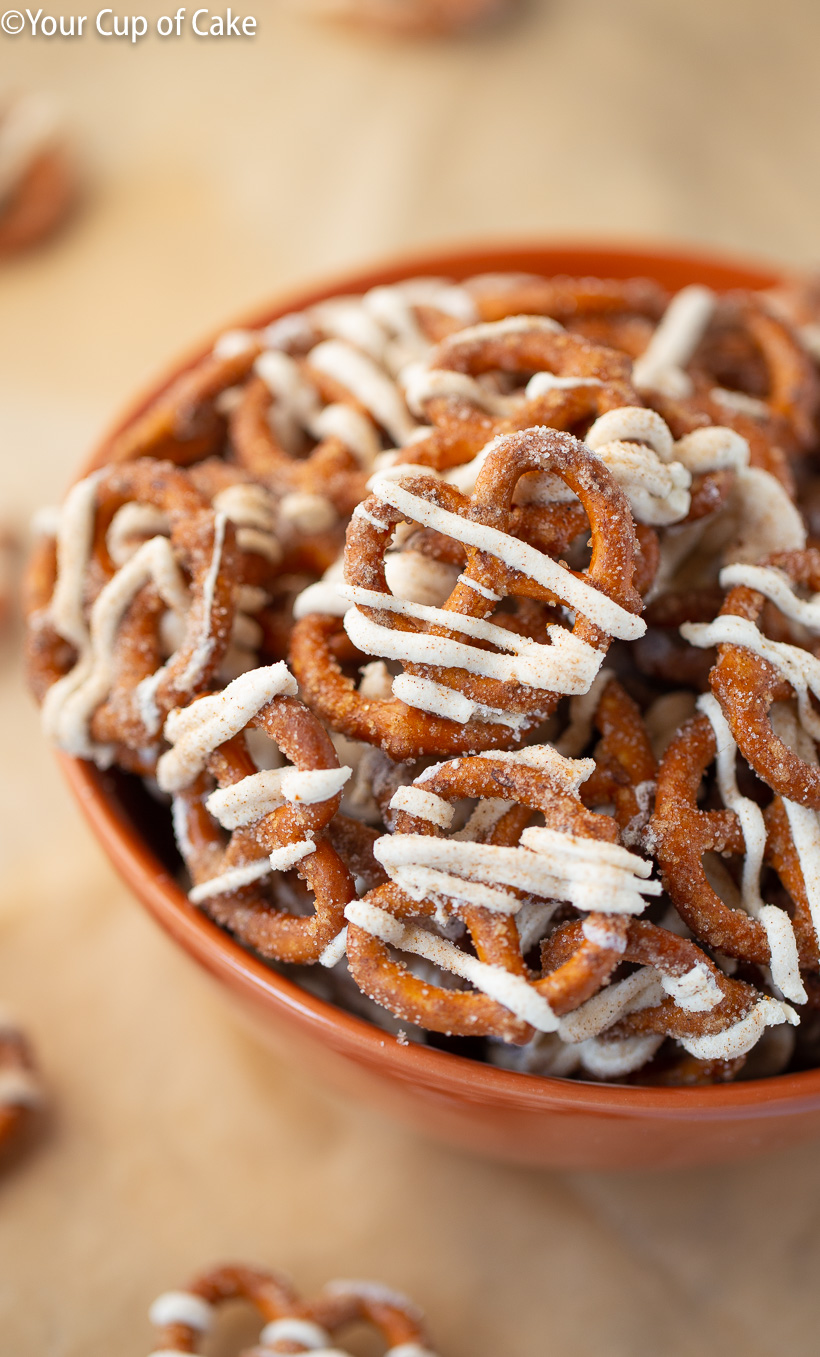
x=217, y=951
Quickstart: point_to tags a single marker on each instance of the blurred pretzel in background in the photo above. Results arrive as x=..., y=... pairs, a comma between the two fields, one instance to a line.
x=290, y=1325
x=38, y=182
x=21, y=1093
x=420, y=18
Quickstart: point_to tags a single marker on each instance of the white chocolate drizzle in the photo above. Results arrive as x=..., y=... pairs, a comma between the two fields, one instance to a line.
x=424, y=805
x=334, y=951
x=739, y=1039
x=130, y=526
x=231, y=880
x=260, y=793
x=182, y=1307
x=798, y=666
x=536, y=565
x=195, y=731
x=672, y=346
x=637, y=447
x=767, y=519
x=302, y=1331
x=590, y=874
x=308, y=513
x=512, y=991
x=75, y=535
x=253, y=510
x=567, y=664
x=367, y=382
x=70, y=702
x=428, y=695
x=696, y=991
x=785, y=964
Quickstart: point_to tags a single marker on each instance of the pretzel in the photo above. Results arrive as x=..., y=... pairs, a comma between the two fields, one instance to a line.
x=488, y=691
x=21, y=1094
x=572, y=381
x=591, y=384
x=712, y=1016
x=184, y=1318
x=747, y=334
x=784, y=836
x=184, y=424
x=683, y=362
x=38, y=185
x=275, y=816
x=101, y=676
x=625, y=767
x=754, y=671
x=564, y=298
x=315, y=490
x=492, y=884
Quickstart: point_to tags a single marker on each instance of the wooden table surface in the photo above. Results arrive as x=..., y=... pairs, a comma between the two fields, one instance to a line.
x=217, y=173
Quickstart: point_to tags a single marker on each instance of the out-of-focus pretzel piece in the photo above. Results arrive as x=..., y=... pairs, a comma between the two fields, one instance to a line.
x=683, y=834
x=20, y=1092
x=291, y=1325
x=331, y=469
x=38, y=180
x=183, y=424
x=791, y=386
x=564, y=298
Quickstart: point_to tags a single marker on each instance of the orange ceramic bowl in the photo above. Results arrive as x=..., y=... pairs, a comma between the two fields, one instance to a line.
x=517, y=1117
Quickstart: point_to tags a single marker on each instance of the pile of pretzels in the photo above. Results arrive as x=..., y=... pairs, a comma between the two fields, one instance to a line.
x=469, y=632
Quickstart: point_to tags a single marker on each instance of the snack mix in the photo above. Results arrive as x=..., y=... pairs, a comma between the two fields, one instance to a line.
x=185, y=1318
x=469, y=635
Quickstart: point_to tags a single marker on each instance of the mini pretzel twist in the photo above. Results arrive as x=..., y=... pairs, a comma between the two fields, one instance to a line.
x=274, y=817
x=625, y=767
x=754, y=671
x=711, y=1015
x=784, y=836
x=564, y=298
x=702, y=341
x=502, y=880
x=443, y=673
x=291, y=1325
x=99, y=670
x=456, y=388
x=319, y=488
